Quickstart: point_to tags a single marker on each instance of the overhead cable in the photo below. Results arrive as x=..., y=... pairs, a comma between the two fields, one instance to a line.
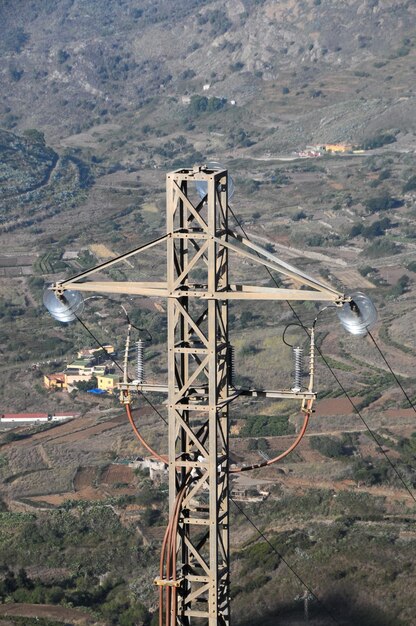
x=391, y=372
x=379, y=446
x=117, y=364
x=290, y=567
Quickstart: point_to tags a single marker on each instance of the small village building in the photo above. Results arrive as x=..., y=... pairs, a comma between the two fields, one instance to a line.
x=55, y=381
x=88, y=364
x=75, y=377
x=108, y=382
x=98, y=354
x=158, y=470
x=81, y=365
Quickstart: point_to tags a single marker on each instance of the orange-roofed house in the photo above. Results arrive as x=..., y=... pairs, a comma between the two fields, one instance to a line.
x=55, y=381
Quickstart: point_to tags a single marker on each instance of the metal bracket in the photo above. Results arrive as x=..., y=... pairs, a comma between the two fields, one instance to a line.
x=163, y=582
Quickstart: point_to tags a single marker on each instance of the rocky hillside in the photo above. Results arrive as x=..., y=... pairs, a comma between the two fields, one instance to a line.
x=311, y=70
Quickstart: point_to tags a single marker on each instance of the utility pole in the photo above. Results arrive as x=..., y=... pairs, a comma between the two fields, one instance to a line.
x=199, y=246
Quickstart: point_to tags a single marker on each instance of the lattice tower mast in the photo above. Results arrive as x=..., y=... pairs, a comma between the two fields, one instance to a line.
x=197, y=289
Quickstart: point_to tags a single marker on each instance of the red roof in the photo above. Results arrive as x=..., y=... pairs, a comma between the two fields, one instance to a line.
x=58, y=376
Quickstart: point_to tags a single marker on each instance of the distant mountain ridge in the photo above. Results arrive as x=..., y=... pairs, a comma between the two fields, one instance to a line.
x=69, y=64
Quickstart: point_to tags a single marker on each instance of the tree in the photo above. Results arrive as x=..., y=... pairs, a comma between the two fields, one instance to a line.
x=382, y=203
x=34, y=136
x=379, y=140
x=63, y=56
x=328, y=446
x=356, y=230
x=401, y=287
x=410, y=185
x=9, y=582
x=23, y=579
x=86, y=385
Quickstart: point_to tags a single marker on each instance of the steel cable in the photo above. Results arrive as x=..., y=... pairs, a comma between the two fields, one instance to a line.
x=290, y=567
x=379, y=447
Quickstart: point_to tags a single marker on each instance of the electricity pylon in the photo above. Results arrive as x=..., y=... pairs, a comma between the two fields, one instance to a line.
x=199, y=246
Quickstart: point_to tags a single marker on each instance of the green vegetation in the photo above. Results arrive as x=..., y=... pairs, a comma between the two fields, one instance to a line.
x=382, y=203
x=378, y=141
x=34, y=182
x=410, y=185
x=330, y=447
x=376, y=229
x=382, y=248
x=14, y=40
x=108, y=600
x=202, y=104
x=266, y=425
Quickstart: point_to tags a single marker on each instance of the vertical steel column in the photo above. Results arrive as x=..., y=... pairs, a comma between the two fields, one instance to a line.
x=198, y=392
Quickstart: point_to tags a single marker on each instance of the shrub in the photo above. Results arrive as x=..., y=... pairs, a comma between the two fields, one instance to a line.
x=382, y=248
x=330, y=447
x=383, y=203
x=267, y=426
x=378, y=141
x=410, y=185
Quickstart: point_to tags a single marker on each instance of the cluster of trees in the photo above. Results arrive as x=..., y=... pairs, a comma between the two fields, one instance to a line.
x=382, y=203
x=266, y=426
x=330, y=447
x=218, y=20
x=86, y=385
x=8, y=310
x=201, y=104
x=13, y=39
x=110, y=599
x=376, y=229
x=371, y=472
x=378, y=141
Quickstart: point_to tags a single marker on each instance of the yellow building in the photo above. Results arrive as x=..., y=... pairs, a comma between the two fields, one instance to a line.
x=54, y=381
x=336, y=147
x=96, y=353
x=108, y=382
x=76, y=377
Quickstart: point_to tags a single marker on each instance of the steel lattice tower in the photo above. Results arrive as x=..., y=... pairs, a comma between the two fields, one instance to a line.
x=199, y=389
x=198, y=394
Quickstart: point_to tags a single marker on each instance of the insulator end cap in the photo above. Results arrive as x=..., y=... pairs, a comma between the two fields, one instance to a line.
x=359, y=315
x=201, y=186
x=65, y=308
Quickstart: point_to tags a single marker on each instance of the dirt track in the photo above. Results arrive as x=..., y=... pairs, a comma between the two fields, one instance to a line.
x=49, y=611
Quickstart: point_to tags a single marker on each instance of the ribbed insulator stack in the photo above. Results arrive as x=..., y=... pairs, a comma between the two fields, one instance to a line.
x=140, y=361
x=298, y=371
x=231, y=364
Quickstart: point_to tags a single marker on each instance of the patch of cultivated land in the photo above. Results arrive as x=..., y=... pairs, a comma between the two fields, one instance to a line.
x=49, y=611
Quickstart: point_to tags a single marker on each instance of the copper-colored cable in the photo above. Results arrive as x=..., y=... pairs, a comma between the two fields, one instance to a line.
x=169, y=553
x=174, y=535
x=140, y=438
x=281, y=456
x=169, y=545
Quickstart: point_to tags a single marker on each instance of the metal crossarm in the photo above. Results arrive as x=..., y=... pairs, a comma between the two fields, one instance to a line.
x=200, y=247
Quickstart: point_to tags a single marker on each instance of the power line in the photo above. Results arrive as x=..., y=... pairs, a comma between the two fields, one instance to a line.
x=391, y=371
x=379, y=446
x=390, y=462
x=117, y=364
x=290, y=567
